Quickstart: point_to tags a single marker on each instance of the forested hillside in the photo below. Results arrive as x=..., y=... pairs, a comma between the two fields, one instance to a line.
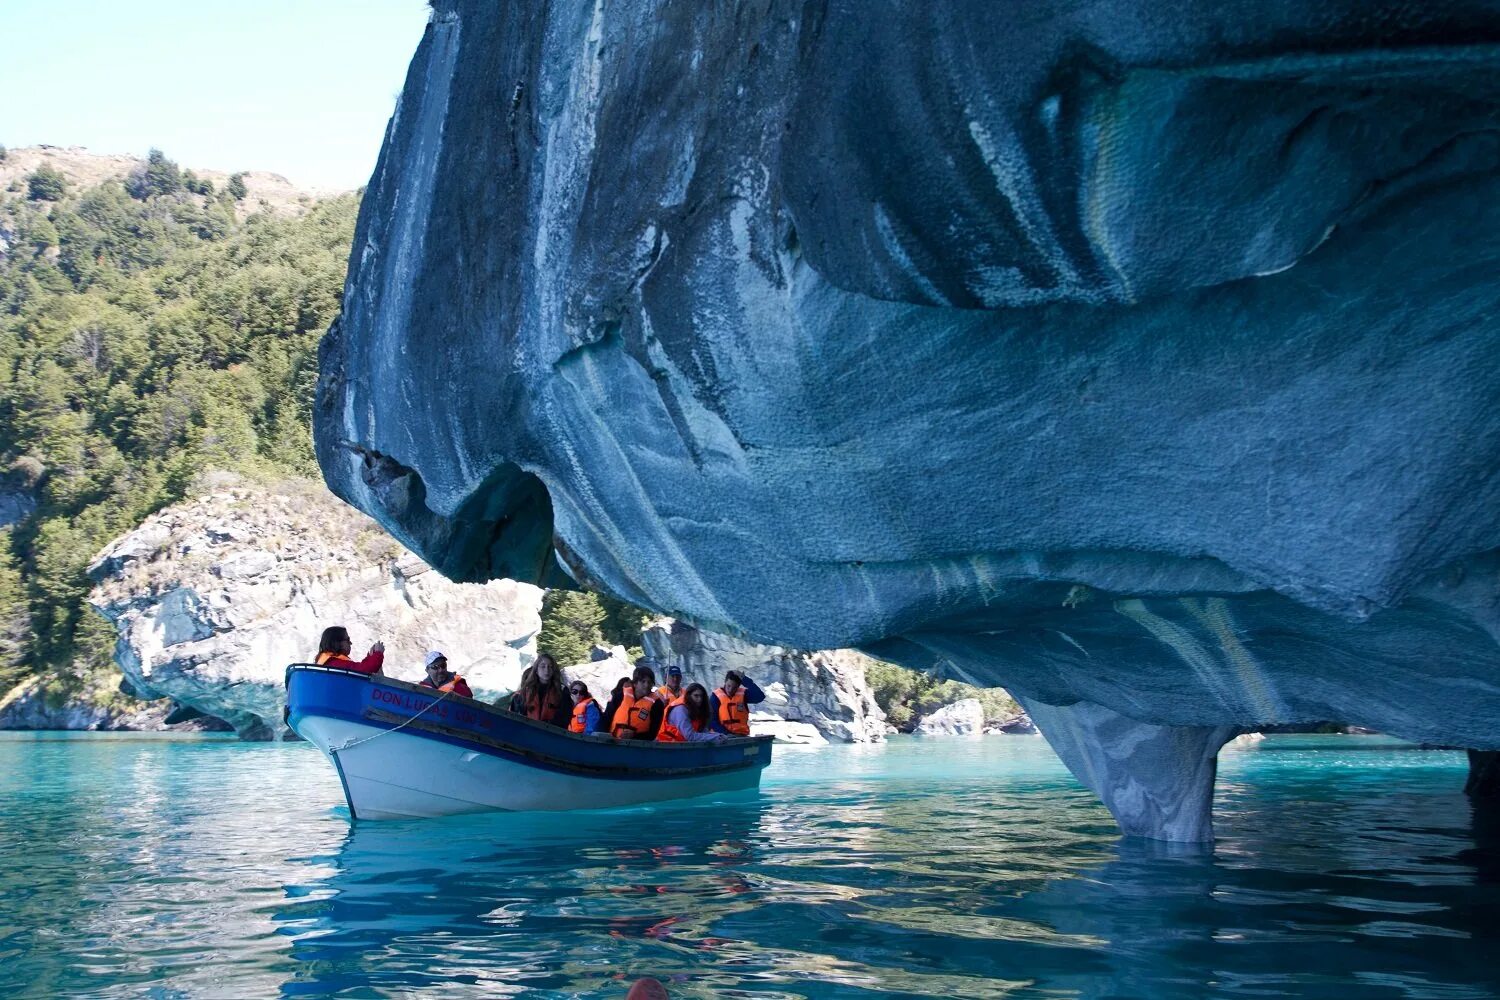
x=155, y=327
x=148, y=331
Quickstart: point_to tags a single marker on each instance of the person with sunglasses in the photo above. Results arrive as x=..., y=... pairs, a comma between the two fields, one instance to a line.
x=443, y=679
x=586, y=715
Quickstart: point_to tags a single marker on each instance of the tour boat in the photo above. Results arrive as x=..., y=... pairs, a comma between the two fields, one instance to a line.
x=402, y=750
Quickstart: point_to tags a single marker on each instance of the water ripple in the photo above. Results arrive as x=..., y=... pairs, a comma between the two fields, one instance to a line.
x=1346, y=867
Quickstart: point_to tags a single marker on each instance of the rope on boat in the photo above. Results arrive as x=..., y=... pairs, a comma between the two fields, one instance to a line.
x=352, y=742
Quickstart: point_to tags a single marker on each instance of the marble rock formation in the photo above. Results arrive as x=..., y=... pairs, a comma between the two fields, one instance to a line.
x=213, y=598
x=815, y=698
x=95, y=703
x=1019, y=724
x=1138, y=358
x=964, y=717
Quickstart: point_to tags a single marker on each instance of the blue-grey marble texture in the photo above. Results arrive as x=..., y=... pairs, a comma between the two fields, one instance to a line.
x=1140, y=355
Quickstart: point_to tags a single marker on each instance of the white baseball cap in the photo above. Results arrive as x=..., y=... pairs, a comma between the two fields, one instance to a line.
x=433, y=657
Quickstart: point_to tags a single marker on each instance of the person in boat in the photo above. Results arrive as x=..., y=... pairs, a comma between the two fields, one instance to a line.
x=541, y=695
x=640, y=713
x=672, y=690
x=334, y=649
x=687, y=718
x=730, y=704
x=440, y=677
x=586, y=715
x=622, y=688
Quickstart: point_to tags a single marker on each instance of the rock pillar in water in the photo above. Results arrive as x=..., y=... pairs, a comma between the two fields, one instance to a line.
x=1484, y=774
x=1158, y=781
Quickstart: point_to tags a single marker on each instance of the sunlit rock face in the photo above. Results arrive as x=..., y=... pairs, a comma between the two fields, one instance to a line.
x=213, y=597
x=1142, y=355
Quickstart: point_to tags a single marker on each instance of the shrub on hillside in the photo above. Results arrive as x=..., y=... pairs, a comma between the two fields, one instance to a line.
x=236, y=187
x=197, y=185
x=157, y=176
x=46, y=184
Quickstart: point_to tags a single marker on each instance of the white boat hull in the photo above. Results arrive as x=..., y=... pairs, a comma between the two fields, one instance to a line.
x=391, y=774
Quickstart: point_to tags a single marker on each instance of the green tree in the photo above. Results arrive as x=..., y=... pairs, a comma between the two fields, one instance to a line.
x=570, y=625
x=46, y=184
x=197, y=185
x=236, y=187
x=156, y=177
x=41, y=234
x=15, y=620
x=163, y=338
x=907, y=695
x=623, y=622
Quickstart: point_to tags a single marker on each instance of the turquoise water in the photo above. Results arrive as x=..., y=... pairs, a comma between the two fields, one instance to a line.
x=1346, y=867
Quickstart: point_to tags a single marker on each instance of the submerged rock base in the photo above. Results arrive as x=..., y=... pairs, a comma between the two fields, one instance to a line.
x=1158, y=781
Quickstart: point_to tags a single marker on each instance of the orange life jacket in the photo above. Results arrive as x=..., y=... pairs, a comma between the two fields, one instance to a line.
x=633, y=714
x=543, y=708
x=734, y=714
x=670, y=733
x=580, y=716
x=665, y=693
x=457, y=680
x=343, y=662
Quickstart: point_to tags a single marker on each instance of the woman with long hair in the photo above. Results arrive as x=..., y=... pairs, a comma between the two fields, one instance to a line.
x=335, y=646
x=541, y=695
x=688, y=718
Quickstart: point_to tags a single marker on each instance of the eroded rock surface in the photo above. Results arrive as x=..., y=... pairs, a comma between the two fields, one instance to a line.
x=1138, y=357
x=214, y=597
x=962, y=718
x=94, y=703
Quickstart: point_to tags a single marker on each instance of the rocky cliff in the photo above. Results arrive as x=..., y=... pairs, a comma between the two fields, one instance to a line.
x=214, y=597
x=1139, y=358
x=95, y=701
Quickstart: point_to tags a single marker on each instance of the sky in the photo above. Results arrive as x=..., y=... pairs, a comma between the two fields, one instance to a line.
x=301, y=88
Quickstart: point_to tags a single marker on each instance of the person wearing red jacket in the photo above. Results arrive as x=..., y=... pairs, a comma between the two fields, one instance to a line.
x=334, y=649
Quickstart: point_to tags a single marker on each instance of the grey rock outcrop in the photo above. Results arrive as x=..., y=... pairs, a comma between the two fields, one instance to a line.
x=1016, y=725
x=962, y=718
x=214, y=597
x=15, y=506
x=98, y=704
x=950, y=332
x=816, y=697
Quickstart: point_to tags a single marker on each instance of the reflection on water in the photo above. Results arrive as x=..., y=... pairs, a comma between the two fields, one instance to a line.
x=1346, y=867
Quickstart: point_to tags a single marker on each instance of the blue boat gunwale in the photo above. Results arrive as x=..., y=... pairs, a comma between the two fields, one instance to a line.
x=627, y=762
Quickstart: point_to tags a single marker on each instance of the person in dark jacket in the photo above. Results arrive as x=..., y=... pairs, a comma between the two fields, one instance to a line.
x=607, y=716
x=729, y=705
x=541, y=695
